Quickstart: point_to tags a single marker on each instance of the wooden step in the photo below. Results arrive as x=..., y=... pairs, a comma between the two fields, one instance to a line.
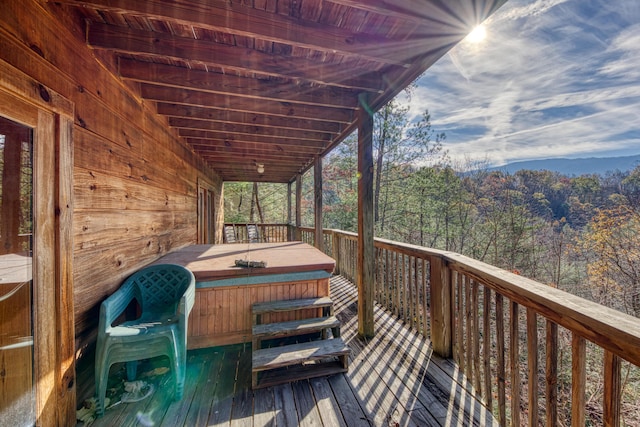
x=296, y=354
x=294, y=327
x=290, y=305
x=299, y=372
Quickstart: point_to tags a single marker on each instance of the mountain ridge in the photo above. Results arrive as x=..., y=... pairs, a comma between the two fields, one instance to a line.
x=574, y=167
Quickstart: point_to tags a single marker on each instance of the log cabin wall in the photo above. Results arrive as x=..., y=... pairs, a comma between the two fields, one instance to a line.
x=135, y=183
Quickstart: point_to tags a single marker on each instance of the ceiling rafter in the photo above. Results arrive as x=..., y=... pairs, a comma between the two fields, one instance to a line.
x=232, y=129
x=251, y=138
x=229, y=116
x=243, y=104
x=275, y=90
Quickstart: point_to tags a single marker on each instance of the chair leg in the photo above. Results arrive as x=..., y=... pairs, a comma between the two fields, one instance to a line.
x=132, y=368
x=102, y=378
x=179, y=369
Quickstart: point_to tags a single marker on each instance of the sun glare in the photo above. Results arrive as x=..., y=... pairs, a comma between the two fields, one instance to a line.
x=477, y=35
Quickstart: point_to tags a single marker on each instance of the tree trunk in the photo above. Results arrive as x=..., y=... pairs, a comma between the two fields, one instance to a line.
x=379, y=162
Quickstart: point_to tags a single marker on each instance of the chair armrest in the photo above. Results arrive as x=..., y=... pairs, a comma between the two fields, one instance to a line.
x=188, y=298
x=112, y=307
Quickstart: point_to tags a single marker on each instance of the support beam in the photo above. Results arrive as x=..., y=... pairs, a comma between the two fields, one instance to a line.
x=366, y=266
x=298, y=206
x=317, y=203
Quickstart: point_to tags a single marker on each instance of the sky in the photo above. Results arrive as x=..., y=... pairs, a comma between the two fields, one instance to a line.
x=551, y=78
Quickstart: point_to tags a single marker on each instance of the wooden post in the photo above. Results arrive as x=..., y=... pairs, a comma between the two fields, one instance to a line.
x=366, y=260
x=289, y=231
x=441, y=310
x=335, y=246
x=298, y=207
x=65, y=350
x=317, y=203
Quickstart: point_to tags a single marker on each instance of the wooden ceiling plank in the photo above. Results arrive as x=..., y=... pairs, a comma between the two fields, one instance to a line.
x=248, y=167
x=233, y=128
x=237, y=103
x=276, y=163
x=128, y=41
x=249, y=138
x=276, y=90
x=251, y=22
x=217, y=145
x=222, y=115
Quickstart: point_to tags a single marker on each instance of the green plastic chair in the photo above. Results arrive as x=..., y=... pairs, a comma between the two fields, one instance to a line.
x=166, y=295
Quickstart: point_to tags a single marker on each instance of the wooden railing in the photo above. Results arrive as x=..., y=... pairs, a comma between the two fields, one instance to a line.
x=506, y=333
x=268, y=232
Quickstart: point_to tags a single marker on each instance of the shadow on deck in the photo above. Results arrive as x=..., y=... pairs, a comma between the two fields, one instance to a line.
x=393, y=380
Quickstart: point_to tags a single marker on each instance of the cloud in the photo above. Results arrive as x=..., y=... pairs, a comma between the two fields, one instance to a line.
x=553, y=78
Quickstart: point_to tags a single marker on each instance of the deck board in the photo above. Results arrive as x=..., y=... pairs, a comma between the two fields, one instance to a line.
x=393, y=379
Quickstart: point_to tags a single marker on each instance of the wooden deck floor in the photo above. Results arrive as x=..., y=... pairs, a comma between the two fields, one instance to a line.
x=393, y=380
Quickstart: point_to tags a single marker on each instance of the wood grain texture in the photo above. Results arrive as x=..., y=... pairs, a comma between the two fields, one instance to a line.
x=222, y=315
x=122, y=158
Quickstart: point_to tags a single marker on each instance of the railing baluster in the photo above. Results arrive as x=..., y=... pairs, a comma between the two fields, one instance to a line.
x=460, y=323
x=612, y=389
x=578, y=379
x=396, y=285
x=532, y=365
x=514, y=350
x=502, y=410
x=417, y=304
x=376, y=275
x=486, y=347
x=425, y=302
x=552, y=374
x=477, y=381
x=405, y=296
x=468, y=329
x=414, y=293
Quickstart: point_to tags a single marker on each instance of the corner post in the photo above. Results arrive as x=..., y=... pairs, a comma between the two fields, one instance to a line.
x=441, y=309
x=317, y=203
x=366, y=265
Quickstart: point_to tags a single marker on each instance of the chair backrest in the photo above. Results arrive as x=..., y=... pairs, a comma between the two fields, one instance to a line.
x=253, y=235
x=229, y=234
x=160, y=287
